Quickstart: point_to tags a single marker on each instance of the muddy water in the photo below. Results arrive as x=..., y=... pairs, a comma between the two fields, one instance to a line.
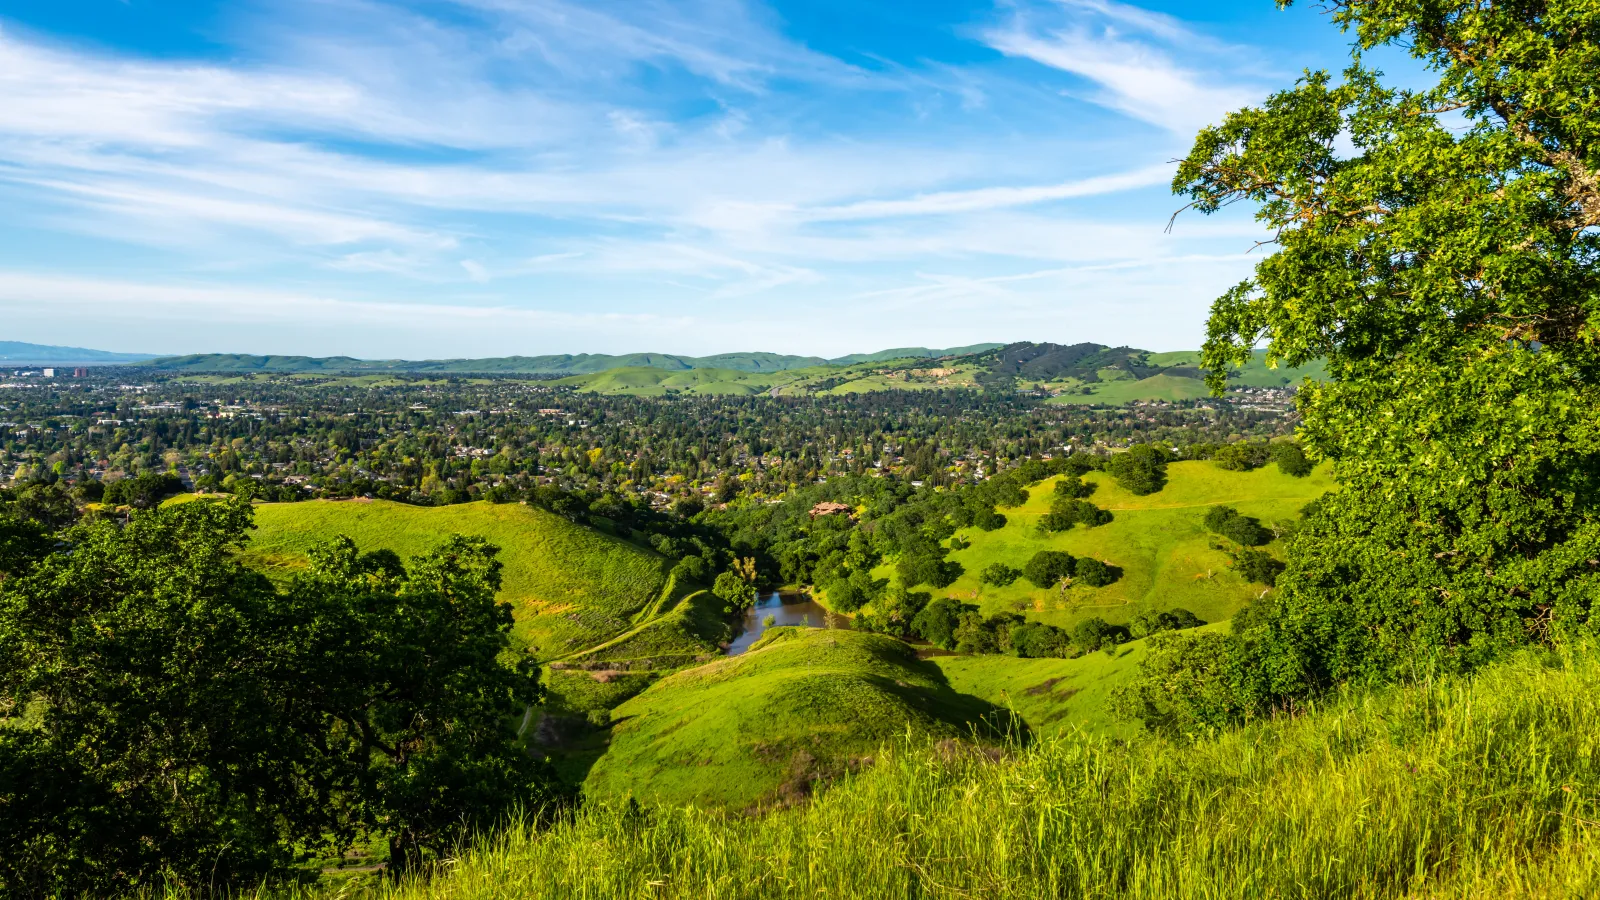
x=783, y=609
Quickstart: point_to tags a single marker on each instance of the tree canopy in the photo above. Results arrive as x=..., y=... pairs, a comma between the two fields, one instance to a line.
x=1438, y=248
x=172, y=714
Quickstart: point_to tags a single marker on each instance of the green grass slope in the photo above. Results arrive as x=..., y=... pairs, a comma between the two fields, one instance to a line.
x=1054, y=696
x=1455, y=788
x=570, y=587
x=1159, y=541
x=648, y=382
x=759, y=728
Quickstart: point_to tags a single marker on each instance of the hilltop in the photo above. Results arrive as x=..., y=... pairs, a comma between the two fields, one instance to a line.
x=802, y=705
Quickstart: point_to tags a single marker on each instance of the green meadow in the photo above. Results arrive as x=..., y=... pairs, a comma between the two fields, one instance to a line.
x=1053, y=696
x=570, y=587
x=1165, y=553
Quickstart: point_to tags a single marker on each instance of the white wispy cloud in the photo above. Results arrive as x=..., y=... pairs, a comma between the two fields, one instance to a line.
x=1131, y=55
x=517, y=149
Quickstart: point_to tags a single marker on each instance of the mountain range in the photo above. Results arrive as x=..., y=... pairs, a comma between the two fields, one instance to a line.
x=559, y=364
x=18, y=353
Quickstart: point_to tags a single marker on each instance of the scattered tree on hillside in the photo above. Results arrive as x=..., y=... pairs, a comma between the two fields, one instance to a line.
x=1142, y=469
x=1047, y=567
x=1246, y=531
x=999, y=574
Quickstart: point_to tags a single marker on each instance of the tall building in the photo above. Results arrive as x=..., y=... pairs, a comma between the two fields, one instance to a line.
x=49, y=373
x=80, y=373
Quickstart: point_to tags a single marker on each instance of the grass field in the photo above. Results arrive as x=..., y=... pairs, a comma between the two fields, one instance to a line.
x=1158, y=541
x=570, y=587
x=1053, y=696
x=759, y=728
x=1454, y=788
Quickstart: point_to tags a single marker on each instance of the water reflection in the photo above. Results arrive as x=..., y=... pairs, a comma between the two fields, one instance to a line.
x=775, y=610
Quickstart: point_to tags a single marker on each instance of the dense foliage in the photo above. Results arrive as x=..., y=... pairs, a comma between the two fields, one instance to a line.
x=169, y=714
x=1444, y=264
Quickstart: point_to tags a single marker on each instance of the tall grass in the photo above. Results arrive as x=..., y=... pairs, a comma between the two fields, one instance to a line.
x=1458, y=788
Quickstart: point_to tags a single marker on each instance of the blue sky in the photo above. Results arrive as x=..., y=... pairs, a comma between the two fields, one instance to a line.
x=489, y=177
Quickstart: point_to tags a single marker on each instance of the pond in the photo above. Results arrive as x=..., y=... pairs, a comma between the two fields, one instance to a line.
x=781, y=609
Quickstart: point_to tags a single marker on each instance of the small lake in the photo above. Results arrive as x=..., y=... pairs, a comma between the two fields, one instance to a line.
x=781, y=609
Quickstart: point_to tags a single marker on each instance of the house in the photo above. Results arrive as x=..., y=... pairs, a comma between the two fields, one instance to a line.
x=826, y=508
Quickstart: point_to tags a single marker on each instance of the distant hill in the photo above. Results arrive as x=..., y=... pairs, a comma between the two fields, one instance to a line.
x=558, y=364
x=912, y=353
x=1071, y=374
x=18, y=353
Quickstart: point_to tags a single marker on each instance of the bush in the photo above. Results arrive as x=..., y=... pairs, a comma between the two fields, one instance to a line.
x=1258, y=566
x=937, y=622
x=1065, y=513
x=1093, y=633
x=1142, y=469
x=1048, y=567
x=1243, y=530
x=1074, y=488
x=1241, y=457
x=1147, y=623
x=1036, y=640
x=733, y=590
x=999, y=575
x=987, y=519
x=921, y=568
x=142, y=491
x=1095, y=573
x=1291, y=460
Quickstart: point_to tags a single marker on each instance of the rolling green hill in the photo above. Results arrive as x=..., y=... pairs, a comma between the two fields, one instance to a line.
x=1078, y=374
x=570, y=587
x=1158, y=541
x=760, y=728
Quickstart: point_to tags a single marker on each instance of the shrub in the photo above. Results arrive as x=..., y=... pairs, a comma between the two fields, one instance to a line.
x=1291, y=460
x=1065, y=513
x=936, y=623
x=1048, y=567
x=1142, y=469
x=1241, y=457
x=999, y=575
x=1243, y=530
x=1094, y=573
x=1074, y=488
x=1094, y=632
x=1147, y=623
x=1258, y=566
x=988, y=520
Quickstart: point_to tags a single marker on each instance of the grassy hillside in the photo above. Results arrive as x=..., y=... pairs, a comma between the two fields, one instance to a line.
x=571, y=587
x=1053, y=696
x=1159, y=541
x=1451, y=789
x=653, y=382
x=760, y=727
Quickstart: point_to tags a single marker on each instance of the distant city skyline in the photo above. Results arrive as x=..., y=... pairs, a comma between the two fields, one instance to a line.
x=475, y=178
